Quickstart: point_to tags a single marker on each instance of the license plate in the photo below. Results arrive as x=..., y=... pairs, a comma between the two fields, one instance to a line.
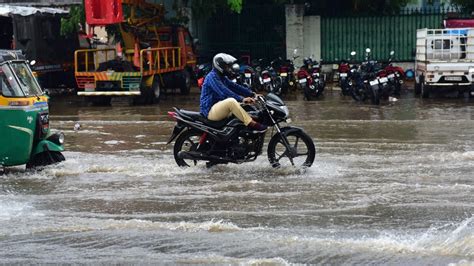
x=302, y=80
x=453, y=78
x=383, y=80
x=316, y=74
x=248, y=75
x=343, y=75
x=374, y=82
x=266, y=80
x=391, y=76
x=283, y=74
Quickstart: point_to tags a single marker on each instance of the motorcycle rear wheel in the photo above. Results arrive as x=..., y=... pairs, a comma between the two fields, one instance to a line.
x=279, y=155
x=358, y=94
x=188, y=141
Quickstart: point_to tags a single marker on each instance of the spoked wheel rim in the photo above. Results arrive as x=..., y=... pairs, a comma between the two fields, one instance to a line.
x=188, y=142
x=301, y=151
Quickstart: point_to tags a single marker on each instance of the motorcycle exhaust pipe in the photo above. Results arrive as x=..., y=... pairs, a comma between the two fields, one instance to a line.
x=193, y=155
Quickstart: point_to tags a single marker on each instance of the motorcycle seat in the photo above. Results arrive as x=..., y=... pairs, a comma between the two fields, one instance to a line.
x=197, y=116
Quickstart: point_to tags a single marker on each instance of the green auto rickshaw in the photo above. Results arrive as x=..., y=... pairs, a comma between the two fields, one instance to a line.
x=25, y=137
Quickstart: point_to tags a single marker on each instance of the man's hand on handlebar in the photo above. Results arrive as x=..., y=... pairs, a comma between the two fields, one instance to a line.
x=248, y=100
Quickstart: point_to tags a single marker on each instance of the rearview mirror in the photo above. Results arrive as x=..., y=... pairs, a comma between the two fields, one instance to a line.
x=392, y=52
x=353, y=53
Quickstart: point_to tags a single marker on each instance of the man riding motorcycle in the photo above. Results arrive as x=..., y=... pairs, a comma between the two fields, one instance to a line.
x=220, y=97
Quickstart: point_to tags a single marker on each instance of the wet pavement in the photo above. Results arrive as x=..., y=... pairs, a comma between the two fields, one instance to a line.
x=391, y=184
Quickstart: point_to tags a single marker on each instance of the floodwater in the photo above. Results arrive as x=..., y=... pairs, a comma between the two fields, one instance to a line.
x=391, y=184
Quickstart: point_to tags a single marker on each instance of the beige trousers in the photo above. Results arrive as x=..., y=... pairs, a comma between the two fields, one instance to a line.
x=225, y=108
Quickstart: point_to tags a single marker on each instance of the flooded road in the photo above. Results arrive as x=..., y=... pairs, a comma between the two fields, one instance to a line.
x=392, y=184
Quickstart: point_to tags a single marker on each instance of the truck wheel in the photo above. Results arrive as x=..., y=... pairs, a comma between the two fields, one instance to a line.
x=425, y=90
x=156, y=89
x=185, y=86
x=100, y=100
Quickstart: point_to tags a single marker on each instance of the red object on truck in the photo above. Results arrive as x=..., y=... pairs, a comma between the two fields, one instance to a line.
x=103, y=12
x=459, y=23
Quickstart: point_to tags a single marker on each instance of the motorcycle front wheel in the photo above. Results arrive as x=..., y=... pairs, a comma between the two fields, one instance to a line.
x=301, y=149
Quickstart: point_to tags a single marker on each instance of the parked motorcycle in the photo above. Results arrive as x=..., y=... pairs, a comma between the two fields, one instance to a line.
x=344, y=71
x=247, y=77
x=310, y=79
x=395, y=75
x=286, y=71
x=201, y=71
x=270, y=80
x=230, y=141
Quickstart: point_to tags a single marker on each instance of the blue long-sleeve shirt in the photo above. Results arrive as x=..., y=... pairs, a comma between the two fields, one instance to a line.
x=217, y=88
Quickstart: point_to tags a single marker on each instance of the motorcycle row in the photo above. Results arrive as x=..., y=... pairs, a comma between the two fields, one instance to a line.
x=277, y=76
x=368, y=80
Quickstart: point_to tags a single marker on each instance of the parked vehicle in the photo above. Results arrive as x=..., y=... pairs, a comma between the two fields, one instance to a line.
x=344, y=72
x=154, y=56
x=25, y=136
x=230, y=141
x=444, y=61
x=310, y=79
x=286, y=71
x=395, y=75
x=247, y=76
x=367, y=80
x=201, y=71
x=270, y=80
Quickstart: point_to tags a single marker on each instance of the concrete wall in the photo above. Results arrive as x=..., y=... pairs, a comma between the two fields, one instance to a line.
x=294, y=32
x=302, y=33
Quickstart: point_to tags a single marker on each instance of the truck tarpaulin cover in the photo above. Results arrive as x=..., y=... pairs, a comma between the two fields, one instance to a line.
x=103, y=12
x=459, y=23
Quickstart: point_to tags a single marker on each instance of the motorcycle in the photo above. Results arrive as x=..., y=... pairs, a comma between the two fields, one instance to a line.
x=344, y=71
x=270, y=80
x=247, y=77
x=367, y=81
x=201, y=71
x=230, y=141
x=395, y=75
x=286, y=71
x=310, y=80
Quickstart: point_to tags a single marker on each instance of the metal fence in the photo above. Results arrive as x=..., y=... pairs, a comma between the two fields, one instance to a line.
x=382, y=34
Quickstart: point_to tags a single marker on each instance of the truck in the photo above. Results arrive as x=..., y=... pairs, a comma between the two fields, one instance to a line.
x=154, y=56
x=444, y=61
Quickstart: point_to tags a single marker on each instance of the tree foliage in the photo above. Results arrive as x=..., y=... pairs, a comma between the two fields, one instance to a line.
x=467, y=5
x=76, y=17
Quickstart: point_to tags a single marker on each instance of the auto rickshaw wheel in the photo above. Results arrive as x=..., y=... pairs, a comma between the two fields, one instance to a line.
x=45, y=158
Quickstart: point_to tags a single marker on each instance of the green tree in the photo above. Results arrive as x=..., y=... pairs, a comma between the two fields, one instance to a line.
x=467, y=5
x=76, y=17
